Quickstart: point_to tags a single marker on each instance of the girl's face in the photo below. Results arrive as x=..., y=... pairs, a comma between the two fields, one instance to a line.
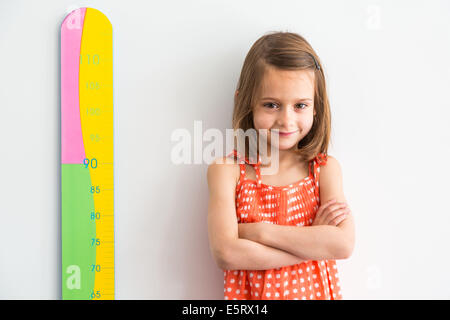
x=285, y=102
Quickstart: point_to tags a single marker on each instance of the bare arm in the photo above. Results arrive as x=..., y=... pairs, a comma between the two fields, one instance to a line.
x=309, y=243
x=317, y=242
x=229, y=251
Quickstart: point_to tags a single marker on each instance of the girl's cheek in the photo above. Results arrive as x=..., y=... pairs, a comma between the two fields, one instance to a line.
x=306, y=126
x=262, y=121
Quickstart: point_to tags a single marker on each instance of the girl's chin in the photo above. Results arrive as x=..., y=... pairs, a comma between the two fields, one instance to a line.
x=285, y=146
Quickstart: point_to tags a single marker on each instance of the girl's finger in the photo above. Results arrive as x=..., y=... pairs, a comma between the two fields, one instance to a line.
x=331, y=216
x=336, y=206
x=323, y=207
x=336, y=221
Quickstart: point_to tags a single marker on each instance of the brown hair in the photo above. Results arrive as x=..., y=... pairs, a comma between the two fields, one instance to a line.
x=286, y=51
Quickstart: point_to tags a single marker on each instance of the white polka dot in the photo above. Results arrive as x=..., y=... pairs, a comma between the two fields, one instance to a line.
x=238, y=291
x=303, y=289
x=268, y=285
x=268, y=294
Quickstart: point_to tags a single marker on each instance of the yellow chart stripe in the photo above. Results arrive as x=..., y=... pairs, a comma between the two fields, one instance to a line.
x=97, y=82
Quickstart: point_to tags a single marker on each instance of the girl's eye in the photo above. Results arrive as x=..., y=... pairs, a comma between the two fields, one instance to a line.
x=269, y=105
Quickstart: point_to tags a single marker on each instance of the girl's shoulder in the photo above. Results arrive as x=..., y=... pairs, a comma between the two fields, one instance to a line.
x=326, y=160
x=224, y=169
x=330, y=170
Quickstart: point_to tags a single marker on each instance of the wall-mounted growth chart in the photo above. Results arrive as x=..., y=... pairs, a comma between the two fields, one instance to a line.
x=87, y=175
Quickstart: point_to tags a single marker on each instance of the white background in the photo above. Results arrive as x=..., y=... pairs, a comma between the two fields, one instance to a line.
x=388, y=71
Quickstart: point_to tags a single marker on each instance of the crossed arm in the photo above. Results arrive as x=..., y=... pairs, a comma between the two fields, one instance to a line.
x=319, y=242
x=261, y=246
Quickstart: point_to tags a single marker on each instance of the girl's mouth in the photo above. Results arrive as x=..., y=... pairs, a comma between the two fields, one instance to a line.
x=286, y=133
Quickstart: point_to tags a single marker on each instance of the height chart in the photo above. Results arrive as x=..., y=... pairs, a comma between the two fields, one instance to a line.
x=87, y=175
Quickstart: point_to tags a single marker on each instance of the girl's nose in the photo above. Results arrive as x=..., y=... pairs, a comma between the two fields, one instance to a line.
x=285, y=117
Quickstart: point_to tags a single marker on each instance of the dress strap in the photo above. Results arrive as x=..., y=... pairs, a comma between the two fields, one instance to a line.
x=317, y=162
x=242, y=161
x=258, y=173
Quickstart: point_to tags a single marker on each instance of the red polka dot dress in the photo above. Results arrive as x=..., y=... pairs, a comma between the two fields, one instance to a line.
x=296, y=205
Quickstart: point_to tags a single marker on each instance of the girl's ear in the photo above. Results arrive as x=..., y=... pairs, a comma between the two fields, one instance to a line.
x=237, y=91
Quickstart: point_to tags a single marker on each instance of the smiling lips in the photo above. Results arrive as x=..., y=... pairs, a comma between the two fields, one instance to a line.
x=285, y=134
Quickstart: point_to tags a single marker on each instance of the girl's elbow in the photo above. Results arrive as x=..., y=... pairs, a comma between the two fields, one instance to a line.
x=345, y=250
x=222, y=258
x=219, y=259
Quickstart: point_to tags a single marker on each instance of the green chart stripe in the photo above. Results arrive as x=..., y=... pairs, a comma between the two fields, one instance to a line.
x=78, y=228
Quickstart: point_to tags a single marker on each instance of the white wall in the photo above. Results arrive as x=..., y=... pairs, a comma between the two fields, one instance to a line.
x=179, y=61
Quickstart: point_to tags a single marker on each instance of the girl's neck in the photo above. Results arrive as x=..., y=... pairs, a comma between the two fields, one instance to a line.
x=286, y=158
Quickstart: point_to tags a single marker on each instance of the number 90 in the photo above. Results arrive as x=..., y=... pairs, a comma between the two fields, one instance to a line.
x=92, y=162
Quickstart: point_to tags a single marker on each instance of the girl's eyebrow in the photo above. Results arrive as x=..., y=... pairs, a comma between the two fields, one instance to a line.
x=299, y=99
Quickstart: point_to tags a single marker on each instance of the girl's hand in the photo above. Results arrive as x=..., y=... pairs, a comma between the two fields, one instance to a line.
x=331, y=213
x=250, y=231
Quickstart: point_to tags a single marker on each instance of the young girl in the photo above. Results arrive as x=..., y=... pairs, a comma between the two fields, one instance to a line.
x=278, y=236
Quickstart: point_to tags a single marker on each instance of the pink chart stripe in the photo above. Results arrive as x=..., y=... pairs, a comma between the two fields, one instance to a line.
x=72, y=148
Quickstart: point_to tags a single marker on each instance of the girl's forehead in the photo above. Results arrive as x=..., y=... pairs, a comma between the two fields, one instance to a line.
x=287, y=82
x=274, y=74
